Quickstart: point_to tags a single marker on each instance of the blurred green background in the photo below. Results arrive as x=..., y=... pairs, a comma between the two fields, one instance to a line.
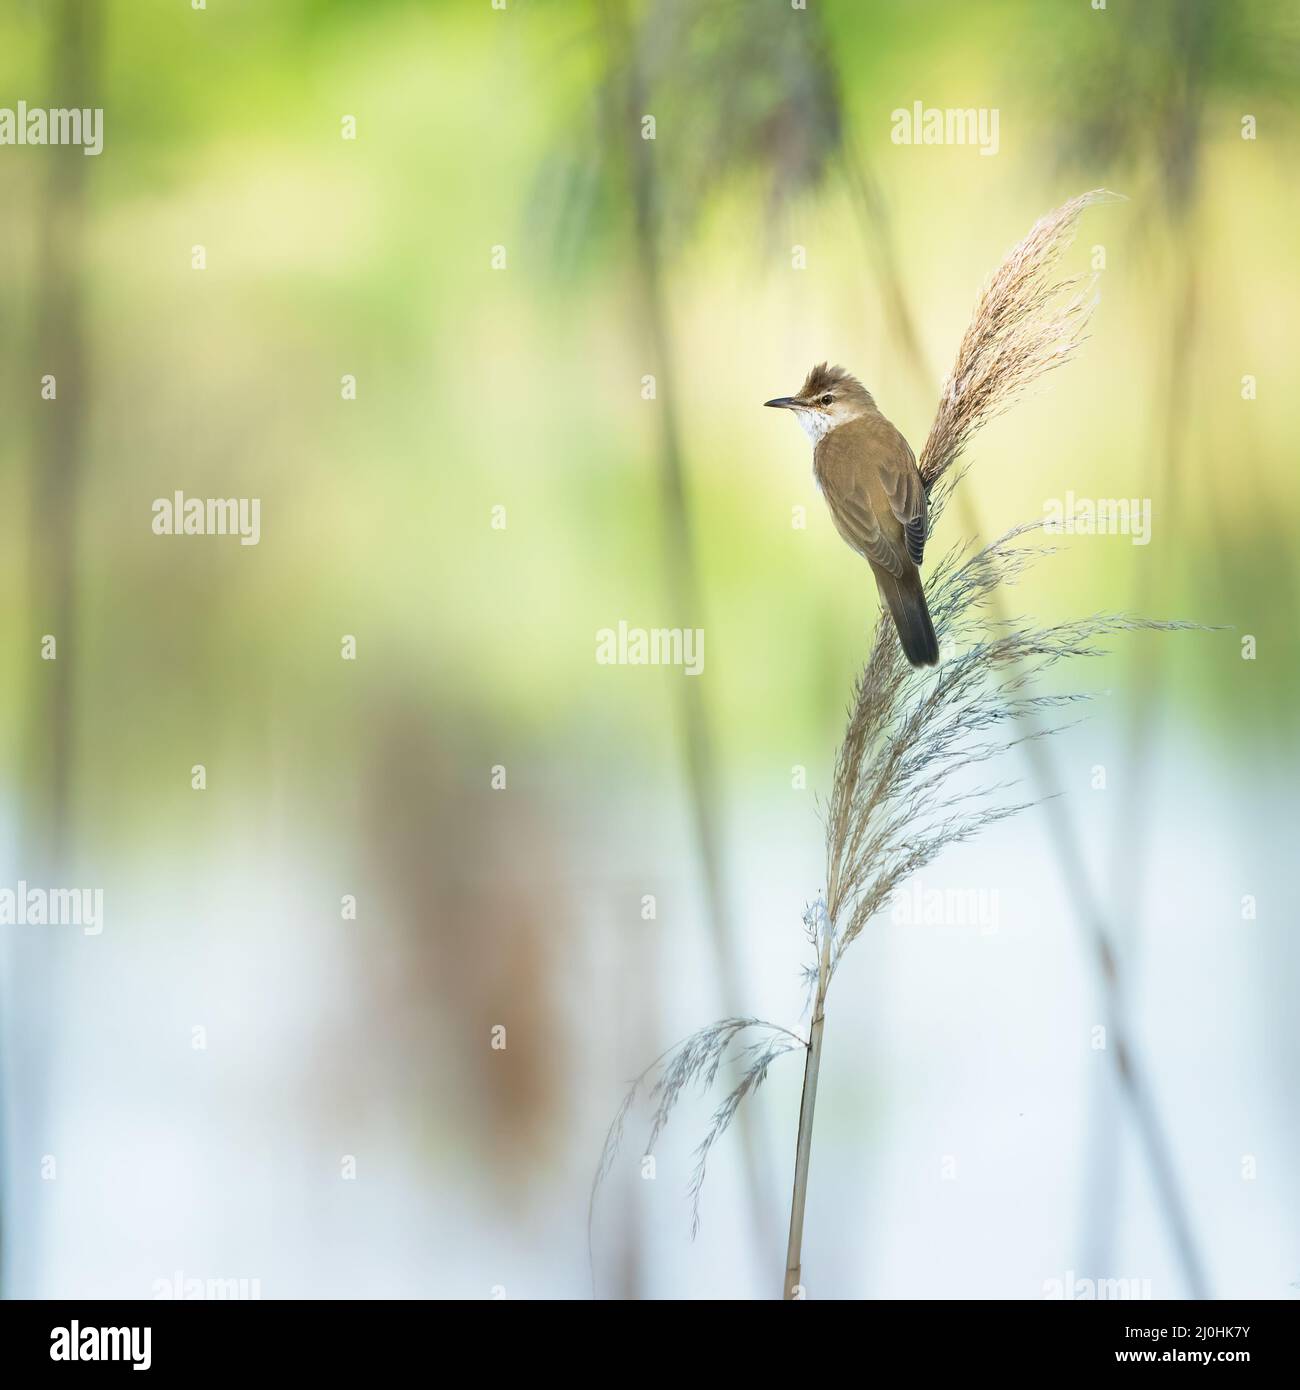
x=521, y=388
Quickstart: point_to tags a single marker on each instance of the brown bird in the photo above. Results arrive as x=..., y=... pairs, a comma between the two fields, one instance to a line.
x=868, y=473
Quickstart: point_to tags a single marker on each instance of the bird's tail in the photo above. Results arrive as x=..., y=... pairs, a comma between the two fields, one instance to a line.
x=905, y=598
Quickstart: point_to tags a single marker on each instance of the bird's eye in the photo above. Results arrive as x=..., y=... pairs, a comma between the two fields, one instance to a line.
x=826, y=400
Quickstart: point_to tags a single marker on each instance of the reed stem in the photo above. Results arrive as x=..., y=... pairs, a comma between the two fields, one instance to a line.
x=807, y=1107
x=802, y=1155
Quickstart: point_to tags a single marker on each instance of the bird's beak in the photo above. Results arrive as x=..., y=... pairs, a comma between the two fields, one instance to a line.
x=784, y=402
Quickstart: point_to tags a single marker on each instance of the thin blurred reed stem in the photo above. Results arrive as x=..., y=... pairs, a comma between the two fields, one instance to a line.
x=1140, y=743
x=59, y=427
x=57, y=465
x=1202, y=50
x=1134, y=1085
x=679, y=567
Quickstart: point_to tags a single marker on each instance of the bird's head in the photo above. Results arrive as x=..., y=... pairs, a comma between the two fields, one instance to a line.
x=829, y=397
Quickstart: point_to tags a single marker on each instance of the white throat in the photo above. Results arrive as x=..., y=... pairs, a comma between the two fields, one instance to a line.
x=816, y=424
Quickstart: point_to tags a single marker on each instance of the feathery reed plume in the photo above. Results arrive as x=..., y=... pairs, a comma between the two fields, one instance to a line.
x=697, y=1060
x=899, y=795
x=1024, y=325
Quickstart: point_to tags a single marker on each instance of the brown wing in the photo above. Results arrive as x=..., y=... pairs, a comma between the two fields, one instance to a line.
x=901, y=480
x=856, y=522
x=871, y=480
